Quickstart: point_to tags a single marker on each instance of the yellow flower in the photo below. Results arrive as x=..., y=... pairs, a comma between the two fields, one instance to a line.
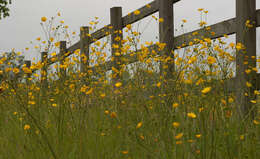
x=211, y=60
x=178, y=142
x=232, y=45
x=102, y=95
x=89, y=91
x=256, y=92
x=51, y=39
x=240, y=46
x=117, y=54
x=31, y=102
x=191, y=115
x=148, y=6
x=184, y=20
x=106, y=112
x=256, y=122
x=230, y=100
x=175, y=124
x=161, y=20
x=137, y=12
x=54, y=105
x=206, y=90
x=16, y=70
x=27, y=70
x=202, y=23
x=43, y=19
x=124, y=152
x=247, y=71
x=248, y=24
x=178, y=136
x=57, y=44
x=200, y=9
x=248, y=84
x=26, y=127
x=128, y=26
x=118, y=84
x=158, y=84
x=175, y=105
x=115, y=46
x=113, y=115
x=198, y=135
x=139, y=125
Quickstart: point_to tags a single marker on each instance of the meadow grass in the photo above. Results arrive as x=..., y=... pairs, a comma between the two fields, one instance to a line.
x=143, y=115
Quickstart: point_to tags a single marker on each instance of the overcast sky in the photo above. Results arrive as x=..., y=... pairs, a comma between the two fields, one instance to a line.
x=23, y=25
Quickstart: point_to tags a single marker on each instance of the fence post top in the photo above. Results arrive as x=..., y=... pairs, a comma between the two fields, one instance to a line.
x=116, y=8
x=27, y=62
x=63, y=43
x=84, y=27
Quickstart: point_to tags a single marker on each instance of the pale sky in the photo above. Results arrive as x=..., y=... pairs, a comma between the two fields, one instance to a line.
x=23, y=25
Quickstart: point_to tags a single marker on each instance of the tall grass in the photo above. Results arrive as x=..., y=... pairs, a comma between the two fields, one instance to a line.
x=143, y=115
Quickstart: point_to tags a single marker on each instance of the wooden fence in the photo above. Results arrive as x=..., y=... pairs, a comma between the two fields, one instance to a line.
x=245, y=10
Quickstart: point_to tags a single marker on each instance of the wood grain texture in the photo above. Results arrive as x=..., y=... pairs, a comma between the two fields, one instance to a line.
x=73, y=48
x=44, y=70
x=258, y=18
x=63, y=48
x=245, y=10
x=258, y=81
x=28, y=64
x=116, y=37
x=84, y=48
x=100, y=33
x=166, y=36
x=227, y=27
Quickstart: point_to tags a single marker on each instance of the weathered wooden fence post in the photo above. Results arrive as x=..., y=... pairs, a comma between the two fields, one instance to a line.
x=166, y=35
x=84, y=49
x=116, y=37
x=44, y=71
x=63, y=48
x=245, y=58
x=28, y=65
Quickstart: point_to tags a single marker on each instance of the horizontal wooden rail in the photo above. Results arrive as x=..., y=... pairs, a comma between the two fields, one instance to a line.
x=73, y=48
x=101, y=33
x=105, y=66
x=128, y=19
x=227, y=27
x=230, y=84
